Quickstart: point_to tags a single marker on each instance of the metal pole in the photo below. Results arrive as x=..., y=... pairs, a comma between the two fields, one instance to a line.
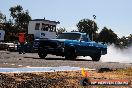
x=93, y=25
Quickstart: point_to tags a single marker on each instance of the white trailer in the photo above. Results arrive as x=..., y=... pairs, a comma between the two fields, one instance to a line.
x=42, y=28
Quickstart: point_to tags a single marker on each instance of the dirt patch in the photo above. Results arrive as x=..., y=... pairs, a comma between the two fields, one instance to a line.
x=63, y=79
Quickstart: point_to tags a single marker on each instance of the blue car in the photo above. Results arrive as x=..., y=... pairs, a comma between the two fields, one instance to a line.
x=71, y=45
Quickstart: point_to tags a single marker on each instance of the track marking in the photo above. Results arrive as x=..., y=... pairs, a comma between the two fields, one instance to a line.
x=28, y=66
x=12, y=64
x=5, y=63
x=20, y=65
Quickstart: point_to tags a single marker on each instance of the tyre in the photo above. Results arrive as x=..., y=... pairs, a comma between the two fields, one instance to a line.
x=97, y=56
x=42, y=55
x=70, y=54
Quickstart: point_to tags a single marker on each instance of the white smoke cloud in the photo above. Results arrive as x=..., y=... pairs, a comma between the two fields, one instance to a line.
x=115, y=55
x=118, y=55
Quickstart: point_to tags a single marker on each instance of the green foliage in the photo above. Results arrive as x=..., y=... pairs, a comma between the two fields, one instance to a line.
x=88, y=26
x=124, y=42
x=2, y=17
x=129, y=38
x=60, y=30
x=18, y=23
x=20, y=17
x=15, y=11
x=10, y=32
x=107, y=36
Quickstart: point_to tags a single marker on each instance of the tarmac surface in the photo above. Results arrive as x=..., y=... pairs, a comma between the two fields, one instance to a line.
x=16, y=60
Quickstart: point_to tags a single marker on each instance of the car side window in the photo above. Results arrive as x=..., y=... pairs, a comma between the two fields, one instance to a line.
x=84, y=37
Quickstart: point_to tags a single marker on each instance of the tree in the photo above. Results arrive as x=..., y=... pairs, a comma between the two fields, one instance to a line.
x=15, y=11
x=87, y=26
x=124, y=42
x=107, y=36
x=2, y=18
x=20, y=17
x=7, y=27
x=129, y=40
x=60, y=30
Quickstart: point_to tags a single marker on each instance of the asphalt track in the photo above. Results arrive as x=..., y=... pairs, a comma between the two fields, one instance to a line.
x=16, y=60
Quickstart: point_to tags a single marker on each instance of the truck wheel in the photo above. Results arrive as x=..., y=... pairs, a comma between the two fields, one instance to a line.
x=42, y=55
x=97, y=56
x=42, y=52
x=70, y=54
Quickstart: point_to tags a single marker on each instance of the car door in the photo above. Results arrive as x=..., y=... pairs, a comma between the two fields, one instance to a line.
x=86, y=46
x=83, y=47
x=90, y=48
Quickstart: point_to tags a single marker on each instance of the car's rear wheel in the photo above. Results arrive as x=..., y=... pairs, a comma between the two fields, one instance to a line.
x=42, y=53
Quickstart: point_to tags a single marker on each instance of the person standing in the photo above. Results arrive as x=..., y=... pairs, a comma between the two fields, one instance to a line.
x=22, y=42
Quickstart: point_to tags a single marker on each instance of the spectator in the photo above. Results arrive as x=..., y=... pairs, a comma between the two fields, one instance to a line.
x=22, y=42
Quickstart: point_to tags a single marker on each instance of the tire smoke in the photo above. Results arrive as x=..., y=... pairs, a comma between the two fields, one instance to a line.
x=117, y=55
x=114, y=54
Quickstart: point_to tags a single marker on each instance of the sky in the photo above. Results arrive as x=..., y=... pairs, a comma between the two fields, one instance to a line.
x=113, y=14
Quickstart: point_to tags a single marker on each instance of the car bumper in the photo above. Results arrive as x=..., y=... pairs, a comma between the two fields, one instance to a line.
x=11, y=48
x=104, y=51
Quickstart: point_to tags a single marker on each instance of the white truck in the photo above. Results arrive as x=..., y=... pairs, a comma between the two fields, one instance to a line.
x=42, y=28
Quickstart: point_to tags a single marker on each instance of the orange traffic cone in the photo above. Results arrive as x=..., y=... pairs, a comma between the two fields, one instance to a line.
x=85, y=73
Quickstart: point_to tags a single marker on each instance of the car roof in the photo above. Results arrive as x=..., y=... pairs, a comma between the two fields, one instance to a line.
x=74, y=33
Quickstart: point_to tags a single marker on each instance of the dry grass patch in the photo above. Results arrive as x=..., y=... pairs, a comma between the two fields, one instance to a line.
x=63, y=79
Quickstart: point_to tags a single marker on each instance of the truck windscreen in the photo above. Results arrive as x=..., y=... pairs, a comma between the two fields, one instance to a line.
x=71, y=36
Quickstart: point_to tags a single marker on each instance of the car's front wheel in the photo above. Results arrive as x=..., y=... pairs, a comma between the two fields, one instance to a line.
x=70, y=54
x=97, y=56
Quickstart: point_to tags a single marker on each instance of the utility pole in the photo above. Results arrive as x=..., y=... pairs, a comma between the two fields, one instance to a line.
x=94, y=16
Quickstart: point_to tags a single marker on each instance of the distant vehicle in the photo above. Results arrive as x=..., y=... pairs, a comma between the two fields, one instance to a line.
x=11, y=46
x=71, y=45
x=3, y=46
x=42, y=28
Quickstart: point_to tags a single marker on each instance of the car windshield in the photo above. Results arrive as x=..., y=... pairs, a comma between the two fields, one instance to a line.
x=71, y=36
